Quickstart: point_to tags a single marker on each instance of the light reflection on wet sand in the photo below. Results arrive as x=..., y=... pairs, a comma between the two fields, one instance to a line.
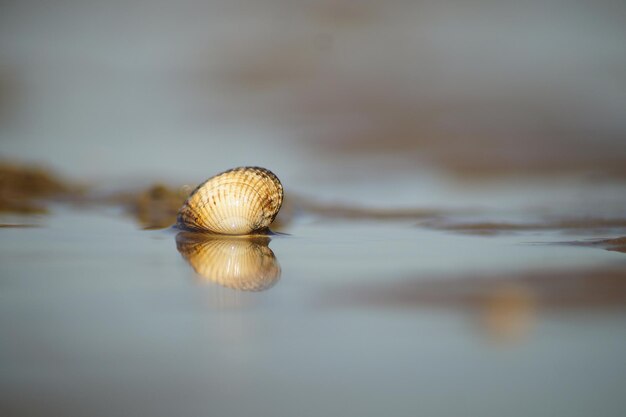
x=506, y=306
x=507, y=314
x=551, y=290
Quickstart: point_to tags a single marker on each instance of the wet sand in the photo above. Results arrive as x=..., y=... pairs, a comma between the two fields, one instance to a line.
x=352, y=308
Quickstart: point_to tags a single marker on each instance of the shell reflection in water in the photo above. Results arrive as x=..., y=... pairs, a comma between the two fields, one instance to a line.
x=241, y=263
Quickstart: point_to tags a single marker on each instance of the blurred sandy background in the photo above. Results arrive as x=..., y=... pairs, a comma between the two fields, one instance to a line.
x=178, y=90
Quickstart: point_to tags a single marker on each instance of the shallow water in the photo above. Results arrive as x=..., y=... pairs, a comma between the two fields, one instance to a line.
x=364, y=318
x=454, y=209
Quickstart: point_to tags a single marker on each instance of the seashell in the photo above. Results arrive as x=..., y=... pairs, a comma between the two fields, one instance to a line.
x=243, y=263
x=239, y=201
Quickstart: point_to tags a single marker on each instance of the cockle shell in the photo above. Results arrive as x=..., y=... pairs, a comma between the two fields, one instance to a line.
x=243, y=262
x=239, y=201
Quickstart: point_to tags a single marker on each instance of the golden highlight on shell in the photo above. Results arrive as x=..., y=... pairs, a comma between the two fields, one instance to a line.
x=239, y=201
x=241, y=263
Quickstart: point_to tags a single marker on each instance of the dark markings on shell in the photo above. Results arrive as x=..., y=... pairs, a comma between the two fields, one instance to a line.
x=238, y=201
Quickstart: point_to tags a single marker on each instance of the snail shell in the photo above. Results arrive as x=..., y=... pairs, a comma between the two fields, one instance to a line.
x=239, y=201
x=242, y=263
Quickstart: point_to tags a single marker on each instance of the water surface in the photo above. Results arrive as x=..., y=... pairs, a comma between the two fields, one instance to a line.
x=366, y=317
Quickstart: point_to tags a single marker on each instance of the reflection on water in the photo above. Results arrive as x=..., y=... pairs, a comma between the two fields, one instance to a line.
x=378, y=316
x=508, y=313
x=243, y=263
x=560, y=289
x=504, y=308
